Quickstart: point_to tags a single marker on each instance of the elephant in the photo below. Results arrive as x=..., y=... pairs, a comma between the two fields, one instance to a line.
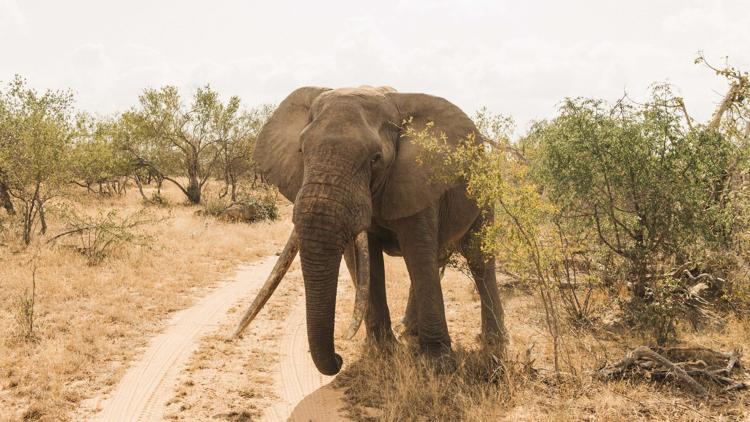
x=343, y=158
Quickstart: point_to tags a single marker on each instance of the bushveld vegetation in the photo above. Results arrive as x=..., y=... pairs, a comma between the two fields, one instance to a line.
x=628, y=224
x=636, y=199
x=617, y=224
x=46, y=148
x=95, y=249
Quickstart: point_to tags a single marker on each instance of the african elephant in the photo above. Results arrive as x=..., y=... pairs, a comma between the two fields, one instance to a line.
x=340, y=155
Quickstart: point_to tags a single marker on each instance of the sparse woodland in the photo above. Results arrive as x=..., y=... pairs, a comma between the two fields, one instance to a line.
x=621, y=230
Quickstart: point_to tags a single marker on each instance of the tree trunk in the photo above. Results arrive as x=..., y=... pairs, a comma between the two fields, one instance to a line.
x=140, y=186
x=42, y=218
x=5, y=200
x=28, y=221
x=234, y=189
x=193, y=191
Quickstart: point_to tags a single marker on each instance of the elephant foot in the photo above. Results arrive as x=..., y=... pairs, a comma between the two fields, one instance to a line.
x=408, y=328
x=384, y=340
x=495, y=343
x=436, y=349
x=443, y=362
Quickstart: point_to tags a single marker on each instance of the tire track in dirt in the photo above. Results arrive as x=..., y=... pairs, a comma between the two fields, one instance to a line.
x=304, y=393
x=143, y=391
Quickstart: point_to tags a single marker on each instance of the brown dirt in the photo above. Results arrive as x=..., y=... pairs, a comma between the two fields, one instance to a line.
x=143, y=391
x=267, y=374
x=92, y=321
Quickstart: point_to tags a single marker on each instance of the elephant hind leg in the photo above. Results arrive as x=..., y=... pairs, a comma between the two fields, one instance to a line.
x=482, y=267
x=410, y=321
x=378, y=317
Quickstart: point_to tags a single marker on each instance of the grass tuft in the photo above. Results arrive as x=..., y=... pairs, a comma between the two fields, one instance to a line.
x=405, y=385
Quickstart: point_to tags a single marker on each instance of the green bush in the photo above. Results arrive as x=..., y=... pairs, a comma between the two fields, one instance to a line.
x=266, y=204
x=97, y=161
x=649, y=187
x=95, y=237
x=624, y=195
x=256, y=206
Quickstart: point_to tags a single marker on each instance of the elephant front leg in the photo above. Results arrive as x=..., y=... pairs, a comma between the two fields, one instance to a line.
x=419, y=245
x=411, y=329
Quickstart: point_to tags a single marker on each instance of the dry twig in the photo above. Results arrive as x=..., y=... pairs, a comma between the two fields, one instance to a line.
x=685, y=364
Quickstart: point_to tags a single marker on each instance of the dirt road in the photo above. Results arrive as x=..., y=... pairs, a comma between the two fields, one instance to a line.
x=296, y=378
x=148, y=385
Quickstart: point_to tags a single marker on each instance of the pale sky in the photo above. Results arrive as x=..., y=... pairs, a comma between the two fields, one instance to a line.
x=515, y=57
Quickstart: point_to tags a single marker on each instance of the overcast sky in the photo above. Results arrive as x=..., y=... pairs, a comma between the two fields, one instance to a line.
x=515, y=57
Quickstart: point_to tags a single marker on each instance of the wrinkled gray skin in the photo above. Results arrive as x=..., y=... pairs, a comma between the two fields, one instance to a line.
x=340, y=157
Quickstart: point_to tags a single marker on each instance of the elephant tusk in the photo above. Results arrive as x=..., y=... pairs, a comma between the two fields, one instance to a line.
x=277, y=274
x=351, y=263
x=362, y=282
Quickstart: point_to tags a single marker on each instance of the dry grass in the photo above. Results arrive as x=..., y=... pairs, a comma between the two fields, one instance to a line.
x=91, y=320
x=402, y=386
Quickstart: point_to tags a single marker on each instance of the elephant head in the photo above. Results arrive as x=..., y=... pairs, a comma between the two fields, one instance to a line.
x=341, y=157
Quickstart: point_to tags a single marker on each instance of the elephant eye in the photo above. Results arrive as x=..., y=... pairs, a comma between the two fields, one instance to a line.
x=377, y=157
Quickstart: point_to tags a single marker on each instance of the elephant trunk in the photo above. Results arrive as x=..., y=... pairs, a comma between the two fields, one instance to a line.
x=320, y=269
x=327, y=215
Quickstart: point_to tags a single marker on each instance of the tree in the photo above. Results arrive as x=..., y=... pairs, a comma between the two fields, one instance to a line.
x=97, y=159
x=170, y=139
x=238, y=143
x=5, y=200
x=35, y=135
x=639, y=175
x=601, y=194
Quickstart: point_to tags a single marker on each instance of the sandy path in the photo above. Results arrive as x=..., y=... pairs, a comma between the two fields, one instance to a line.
x=144, y=391
x=304, y=394
x=145, y=388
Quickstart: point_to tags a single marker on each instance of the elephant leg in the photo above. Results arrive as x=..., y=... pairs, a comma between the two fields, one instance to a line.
x=411, y=328
x=410, y=321
x=482, y=267
x=378, y=317
x=418, y=238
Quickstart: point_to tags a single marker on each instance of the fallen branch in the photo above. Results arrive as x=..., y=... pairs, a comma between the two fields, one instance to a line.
x=686, y=364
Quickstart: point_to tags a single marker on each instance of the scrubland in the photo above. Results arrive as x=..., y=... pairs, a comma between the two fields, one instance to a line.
x=89, y=321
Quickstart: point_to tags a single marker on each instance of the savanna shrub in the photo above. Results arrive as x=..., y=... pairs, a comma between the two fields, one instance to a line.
x=617, y=195
x=214, y=206
x=651, y=189
x=95, y=237
x=249, y=208
x=647, y=185
x=266, y=205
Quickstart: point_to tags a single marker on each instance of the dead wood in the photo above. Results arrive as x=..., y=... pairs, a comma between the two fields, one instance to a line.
x=686, y=365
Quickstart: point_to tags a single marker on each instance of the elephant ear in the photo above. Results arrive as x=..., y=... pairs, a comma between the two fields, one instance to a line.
x=277, y=148
x=412, y=187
